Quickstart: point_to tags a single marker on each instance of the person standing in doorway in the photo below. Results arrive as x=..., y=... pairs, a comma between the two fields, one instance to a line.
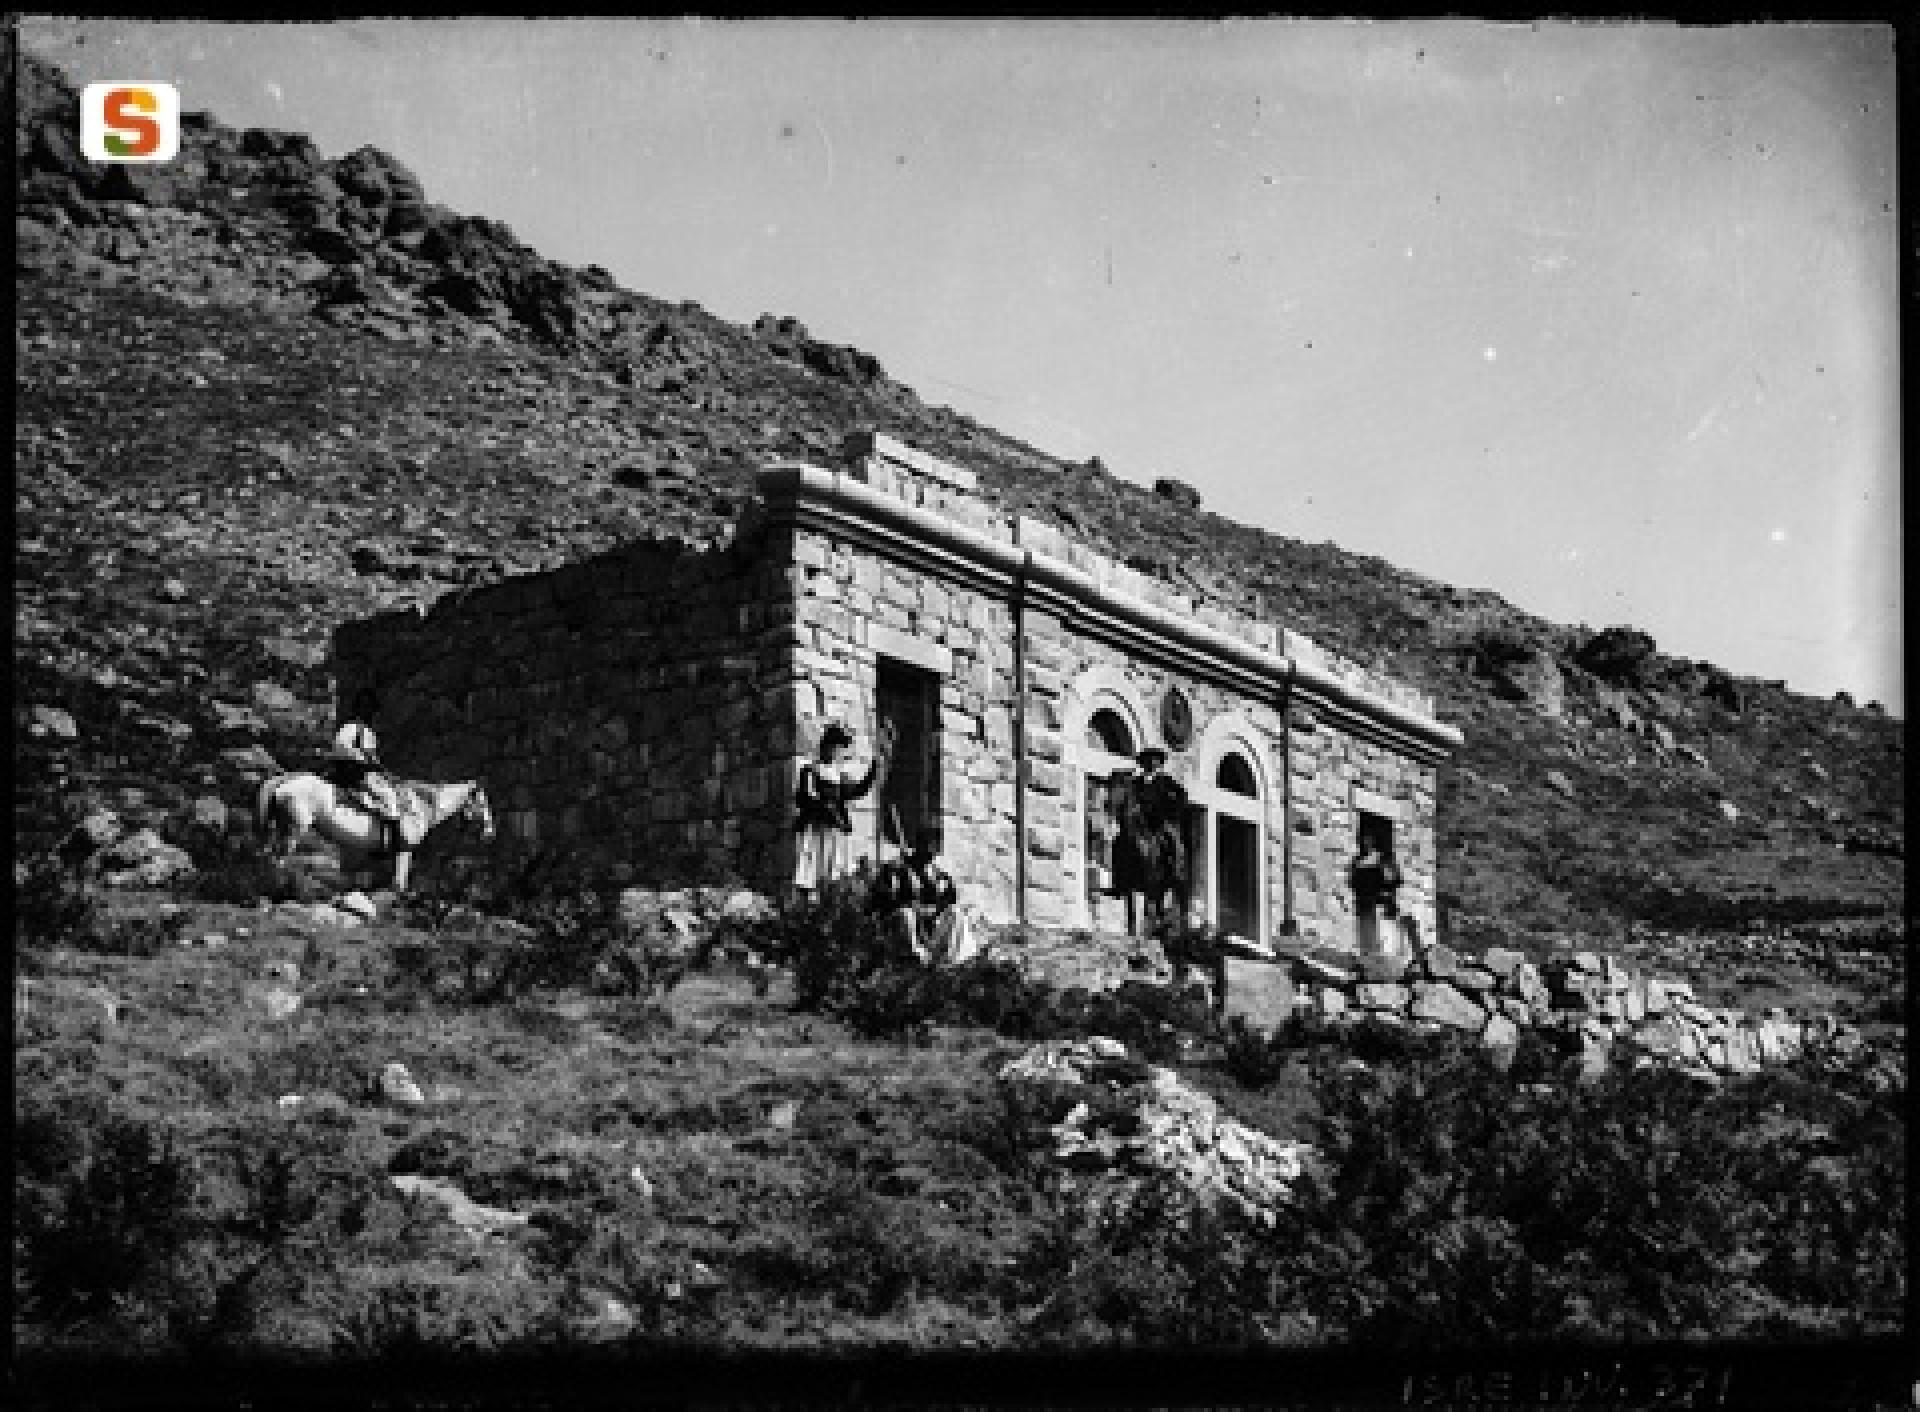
x=1163, y=808
x=1376, y=882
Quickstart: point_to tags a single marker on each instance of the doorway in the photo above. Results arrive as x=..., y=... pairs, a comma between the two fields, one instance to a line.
x=1369, y=935
x=1235, y=855
x=908, y=699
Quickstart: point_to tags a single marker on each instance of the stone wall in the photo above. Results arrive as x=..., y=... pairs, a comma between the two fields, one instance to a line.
x=636, y=708
x=1592, y=1004
x=852, y=608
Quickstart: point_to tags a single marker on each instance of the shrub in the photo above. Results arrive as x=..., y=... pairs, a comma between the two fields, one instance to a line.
x=103, y=1204
x=578, y=939
x=1255, y=1058
x=52, y=908
x=1458, y=1207
x=1152, y=1269
x=235, y=868
x=870, y=1253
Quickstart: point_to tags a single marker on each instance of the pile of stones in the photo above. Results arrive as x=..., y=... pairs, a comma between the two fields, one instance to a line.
x=1592, y=1003
x=1130, y=1122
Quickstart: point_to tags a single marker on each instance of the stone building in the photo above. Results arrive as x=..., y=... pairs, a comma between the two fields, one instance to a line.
x=648, y=709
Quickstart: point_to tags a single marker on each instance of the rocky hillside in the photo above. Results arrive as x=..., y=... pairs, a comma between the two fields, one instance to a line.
x=260, y=391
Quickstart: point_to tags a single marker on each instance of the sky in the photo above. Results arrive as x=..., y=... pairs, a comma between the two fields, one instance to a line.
x=1603, y=317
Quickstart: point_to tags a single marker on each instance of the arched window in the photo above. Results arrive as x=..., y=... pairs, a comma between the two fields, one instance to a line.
x=1236, y=776
x=1108, y=732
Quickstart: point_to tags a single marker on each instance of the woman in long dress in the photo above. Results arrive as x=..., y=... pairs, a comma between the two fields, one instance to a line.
x=822, y=826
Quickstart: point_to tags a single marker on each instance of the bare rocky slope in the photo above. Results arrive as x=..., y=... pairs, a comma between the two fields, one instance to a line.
x=260, y=391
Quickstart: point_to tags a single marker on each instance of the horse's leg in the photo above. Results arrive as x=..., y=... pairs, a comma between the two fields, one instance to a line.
x=401, y=862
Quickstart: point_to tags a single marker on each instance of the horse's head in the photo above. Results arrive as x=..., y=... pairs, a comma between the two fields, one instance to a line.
x=479, y=811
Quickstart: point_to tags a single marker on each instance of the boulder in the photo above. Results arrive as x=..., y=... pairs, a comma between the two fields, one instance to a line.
x=1440, y=961
x=357, y=904
x=1503, y=962
x=1474, y=978
x=280, y=1002
x=1529, y=987
x=60, y=1001
x=461, y=1209
x=1729, y=811
x=95, y=831
x=1440, y=1003
x=1667, y=1038
x=1502, y=1036
x=244, y=721
x=251, y=761
x=1620, y=656
x=1535, y=679
x=398, y=1086
x=1258, y=992
x=52, y=721
x=208, y=812
x=1558, y=781
x=1371, y=995
x=144, y=859
x=271, y=696
x=1178, y=491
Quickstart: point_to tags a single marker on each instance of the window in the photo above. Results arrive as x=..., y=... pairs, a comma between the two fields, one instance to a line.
x=1107, y=732
x=1235, y=776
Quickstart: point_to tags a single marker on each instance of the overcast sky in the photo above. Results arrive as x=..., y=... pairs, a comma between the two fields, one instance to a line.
x=1601, y=317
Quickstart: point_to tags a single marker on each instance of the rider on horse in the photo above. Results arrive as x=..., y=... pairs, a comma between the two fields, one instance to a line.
x=356, y=768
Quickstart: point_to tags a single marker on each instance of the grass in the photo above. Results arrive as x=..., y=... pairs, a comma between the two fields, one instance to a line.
x=200, y=1176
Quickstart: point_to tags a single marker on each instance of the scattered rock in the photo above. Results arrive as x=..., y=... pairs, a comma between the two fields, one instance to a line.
x=172, y=591
x=53, y=721
x=462, y=1209
x=233, y=719
x=1622, y=656
x=1442, y=1004
x=279, y=1002
x=1729, y=811
x=95, y=831
x=1178, y=491
x=145, y=860
x=783, y=1114
x=271, y=696
x=398, y=1086
x=357, y=904
x=208, y=812
x=1535, y=679
x=56, y=999
x=251, y=761
x=1558, y=781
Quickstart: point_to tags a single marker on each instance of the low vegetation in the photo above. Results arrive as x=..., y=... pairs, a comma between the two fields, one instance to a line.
x=833, y=1162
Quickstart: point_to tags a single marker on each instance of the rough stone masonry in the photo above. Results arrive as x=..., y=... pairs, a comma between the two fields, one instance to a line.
x=648, y=709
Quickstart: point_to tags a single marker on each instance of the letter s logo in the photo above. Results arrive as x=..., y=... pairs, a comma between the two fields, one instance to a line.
x=123, y=109
x=130, y=121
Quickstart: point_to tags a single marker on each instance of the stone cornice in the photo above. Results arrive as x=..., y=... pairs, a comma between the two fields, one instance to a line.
x=808, y=496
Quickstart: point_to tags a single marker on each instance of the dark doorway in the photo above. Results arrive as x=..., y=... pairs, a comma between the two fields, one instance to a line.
x=909, y=699
x=1237, y=895
x=1370, y=931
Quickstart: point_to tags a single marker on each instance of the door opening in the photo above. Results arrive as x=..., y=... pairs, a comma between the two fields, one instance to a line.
x=908, y=699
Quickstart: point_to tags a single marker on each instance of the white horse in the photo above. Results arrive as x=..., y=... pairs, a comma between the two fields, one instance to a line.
x=290, y=804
